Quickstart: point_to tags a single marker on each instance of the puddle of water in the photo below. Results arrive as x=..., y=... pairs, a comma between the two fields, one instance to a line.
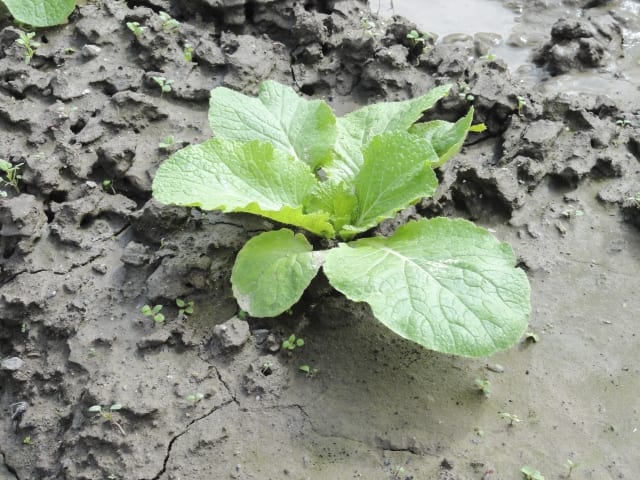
x=456, y=16
x=525, y=28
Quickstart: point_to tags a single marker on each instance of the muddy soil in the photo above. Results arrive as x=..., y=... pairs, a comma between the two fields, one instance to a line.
x=557, y=174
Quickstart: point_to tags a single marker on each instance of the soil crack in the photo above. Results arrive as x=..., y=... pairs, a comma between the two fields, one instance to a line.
x=7, y=467
x=176, y=437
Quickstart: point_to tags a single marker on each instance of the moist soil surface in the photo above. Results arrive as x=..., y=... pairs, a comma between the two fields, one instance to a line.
x=209, y=395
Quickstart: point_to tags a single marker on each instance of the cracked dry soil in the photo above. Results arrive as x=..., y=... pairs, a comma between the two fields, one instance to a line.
x=557, y=179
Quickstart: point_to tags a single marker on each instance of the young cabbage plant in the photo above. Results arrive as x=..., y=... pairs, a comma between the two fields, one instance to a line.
x=445, y=284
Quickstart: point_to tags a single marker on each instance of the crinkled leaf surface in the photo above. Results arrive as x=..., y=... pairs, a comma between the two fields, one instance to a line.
x=41, y=13
x=272, y=271
x=248, y=177
x=394, y=175
x=356, y=129
x=306, y=129
x=445, y=284
x=336, y=198
x=445, y=137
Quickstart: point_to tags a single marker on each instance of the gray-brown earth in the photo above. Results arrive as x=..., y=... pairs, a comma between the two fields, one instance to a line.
x=558, y=178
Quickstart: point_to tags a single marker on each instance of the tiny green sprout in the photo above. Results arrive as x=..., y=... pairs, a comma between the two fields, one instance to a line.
x=531, y=337
x=24, y=327
x=416, y=39
x=571, y=465
x=621, y=121
x=522, y=103
x=308, y=370
x=531, y=473
x=163, y=83
x=11, y=175
x=484, y=386
x=513, y=419
x=108, y=185
x=266, y=368
x=478, y=128
x=92, y=352
x=469, y=98
x=166, y=143
x=186, y=308
x=292, y=342
x=194, y=398
x=108, y=415
x=154, y=313
x=188, y=52
x=489, y=57
x=112, y=477
x=26, y=440
x=168, y=23
x=28, y=44
x=397, y=472
x=136, y=28
x=69, y=51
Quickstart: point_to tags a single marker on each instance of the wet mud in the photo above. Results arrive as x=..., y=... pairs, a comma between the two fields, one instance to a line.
x=209, y=395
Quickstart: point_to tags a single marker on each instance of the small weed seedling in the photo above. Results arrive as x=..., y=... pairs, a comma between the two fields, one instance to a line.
x=266, y=369
x=484, y=386
x=136, y=28
x=308, y=370
x=188, y=52
x=531, y=337
x=571, y=465
x=489, y=57
x=621, y=122
x=154, y=313
x=186, y=308
x=26, y=440
x=416, y=39
x=169, y=23
x=164, y=84
x=522, y=103
x=11, y=175
x=108, y=185
x=167, y=143
x=194, y=398
x=531, y=473
x=513, y=419
x=108, y=415
x=292, y=342
x=28, y=44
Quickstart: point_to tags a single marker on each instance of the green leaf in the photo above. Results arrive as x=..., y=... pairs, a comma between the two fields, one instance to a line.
x=248, y=177
x=444, y=284
x=304, y=129
x=395, y=174
x=446, y=137
x=336, y=198
x=5, y=166
x=272, y=271
x=356, y=129
x=41, y=13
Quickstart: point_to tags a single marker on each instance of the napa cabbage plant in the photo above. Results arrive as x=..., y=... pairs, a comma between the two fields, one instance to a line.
x=445, y=284
x=40, y=13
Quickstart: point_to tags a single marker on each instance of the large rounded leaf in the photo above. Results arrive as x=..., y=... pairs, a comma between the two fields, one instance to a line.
x=272, y=271
x=41, y=13
x=445, y=284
